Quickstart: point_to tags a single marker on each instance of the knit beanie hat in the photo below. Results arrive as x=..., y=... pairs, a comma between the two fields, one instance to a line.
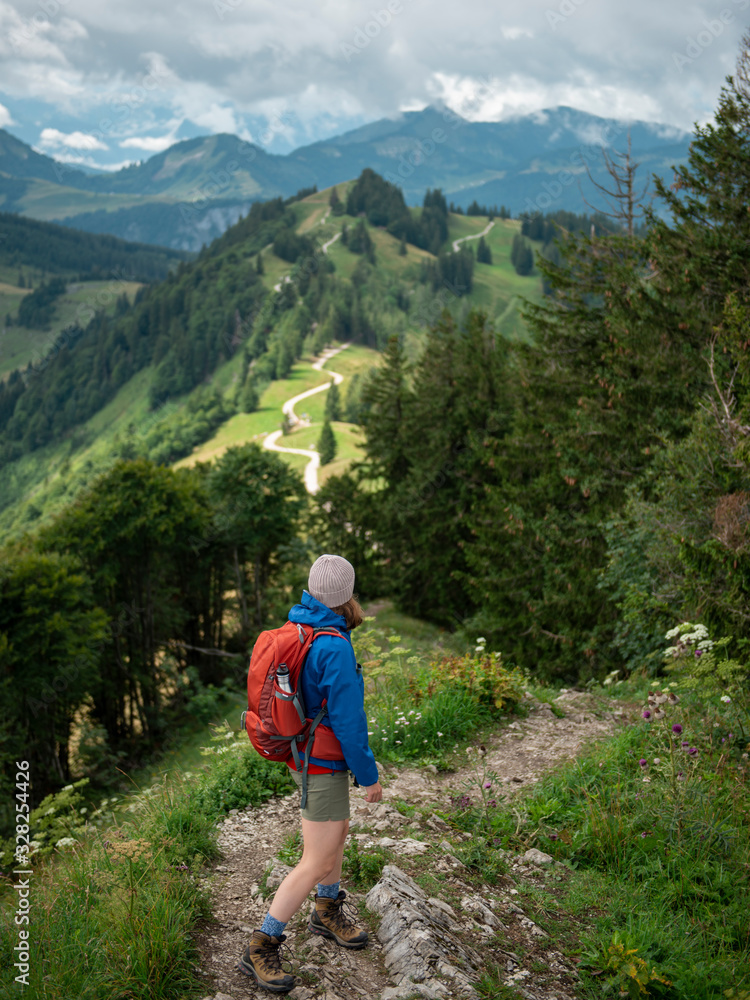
x=331, y=580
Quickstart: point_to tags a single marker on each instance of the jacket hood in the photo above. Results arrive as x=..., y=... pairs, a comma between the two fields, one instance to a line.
x=310, y=611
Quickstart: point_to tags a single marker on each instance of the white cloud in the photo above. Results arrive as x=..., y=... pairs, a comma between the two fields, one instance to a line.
x=149, y=143
x=52, y=138
x=5, y=117
x=513, y=33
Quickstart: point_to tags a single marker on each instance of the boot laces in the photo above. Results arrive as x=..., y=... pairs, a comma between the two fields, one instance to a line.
x=277, y=957
x=344, y=915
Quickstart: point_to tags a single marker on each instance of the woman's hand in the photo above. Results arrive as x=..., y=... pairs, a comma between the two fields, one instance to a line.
x=374, y=793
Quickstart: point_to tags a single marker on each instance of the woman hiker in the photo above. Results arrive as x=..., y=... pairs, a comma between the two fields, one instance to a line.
x=331, y=675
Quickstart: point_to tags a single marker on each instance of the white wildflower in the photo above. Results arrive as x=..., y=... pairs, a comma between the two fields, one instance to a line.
x=725, y=698
x=65, y=842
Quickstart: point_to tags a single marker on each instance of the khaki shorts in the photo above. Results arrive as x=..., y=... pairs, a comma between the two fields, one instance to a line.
x=327, y=796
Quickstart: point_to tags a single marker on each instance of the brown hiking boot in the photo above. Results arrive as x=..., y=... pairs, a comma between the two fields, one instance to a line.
x=329, y=920
x=261, y=959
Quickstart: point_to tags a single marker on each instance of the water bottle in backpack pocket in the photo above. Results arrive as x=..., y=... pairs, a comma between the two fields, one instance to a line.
x=287, y=707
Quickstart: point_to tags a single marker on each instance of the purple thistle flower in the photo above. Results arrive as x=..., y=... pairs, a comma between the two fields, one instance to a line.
x=698, y=652
x=488, y=784
x=677, y=729
x=684, y=745
x=646, y=714
x=693, y=752
x=644, y=834
x=643, y=762
x=553, y=836
x=492, y=803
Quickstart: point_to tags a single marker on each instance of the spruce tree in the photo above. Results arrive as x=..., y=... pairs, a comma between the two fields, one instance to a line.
x=402, y=250
x=327, y=444
x=259, y=268
x=336, y=204
x=484, y=254
x=333, y=403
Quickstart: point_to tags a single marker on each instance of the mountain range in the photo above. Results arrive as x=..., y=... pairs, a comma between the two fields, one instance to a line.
x=193, y=191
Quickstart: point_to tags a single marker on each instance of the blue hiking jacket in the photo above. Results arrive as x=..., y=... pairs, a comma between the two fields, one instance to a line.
x=331, y=674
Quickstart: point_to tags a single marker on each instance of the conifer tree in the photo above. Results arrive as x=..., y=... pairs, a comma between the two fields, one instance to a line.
x=336, y=204
x=333, y=403
x=326, y=444
x=402, y=250
x=484, y=254
x=259, y=268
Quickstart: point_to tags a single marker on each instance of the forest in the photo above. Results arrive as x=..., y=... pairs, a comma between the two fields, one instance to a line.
x=569, y=496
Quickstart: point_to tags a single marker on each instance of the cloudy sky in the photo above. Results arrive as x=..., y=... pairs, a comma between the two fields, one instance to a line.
x=106, y=83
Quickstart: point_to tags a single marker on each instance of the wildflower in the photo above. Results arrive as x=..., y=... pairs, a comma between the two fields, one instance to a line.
x=439, y=733
x=643, y=762
x=644, y=834
x=83, y=811
x=698, y=653
x=657, y=760
x=684, y=745
x=658, y=714
x=731, y=736
x=646, y=780
x=492, y=803
x=673, y=698
x=661, y=698
x=646, y=714
x=424, y=741
x=487, y=784
x=725, y=698
x=677, y=729
x=68, y=788
x=693, y=752
x=553, y=836
x=398, y=743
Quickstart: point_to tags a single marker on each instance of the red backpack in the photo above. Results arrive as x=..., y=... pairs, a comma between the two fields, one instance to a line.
x=276, y=718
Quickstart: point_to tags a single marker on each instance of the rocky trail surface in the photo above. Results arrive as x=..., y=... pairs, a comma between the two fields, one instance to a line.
x=432, y=942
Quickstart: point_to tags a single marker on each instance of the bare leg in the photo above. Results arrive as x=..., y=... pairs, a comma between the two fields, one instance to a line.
x=321, y=862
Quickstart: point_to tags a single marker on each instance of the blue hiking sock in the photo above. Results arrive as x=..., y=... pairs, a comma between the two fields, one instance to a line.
x=329, y=891
x=272, y=926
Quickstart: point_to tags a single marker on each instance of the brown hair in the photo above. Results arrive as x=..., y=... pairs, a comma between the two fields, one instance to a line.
x=351, y=611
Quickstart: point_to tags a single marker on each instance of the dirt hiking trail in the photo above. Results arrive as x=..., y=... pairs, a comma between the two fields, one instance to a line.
x=489, y=920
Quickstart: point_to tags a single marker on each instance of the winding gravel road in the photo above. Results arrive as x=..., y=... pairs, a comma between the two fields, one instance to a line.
x=270, y=441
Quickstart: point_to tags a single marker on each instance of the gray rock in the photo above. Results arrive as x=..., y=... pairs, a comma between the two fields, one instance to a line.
x=277, y=875
x=418, y=937
x=538, y=857
x=408, y=990
x=408, y=846
x=480, y=911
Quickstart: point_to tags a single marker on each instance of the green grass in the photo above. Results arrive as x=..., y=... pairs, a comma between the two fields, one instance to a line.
x=19, y=345
x=113, y=914
x=658, y=854
x=245, y=427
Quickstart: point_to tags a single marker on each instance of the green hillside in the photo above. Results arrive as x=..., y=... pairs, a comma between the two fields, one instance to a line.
x=207, y=358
